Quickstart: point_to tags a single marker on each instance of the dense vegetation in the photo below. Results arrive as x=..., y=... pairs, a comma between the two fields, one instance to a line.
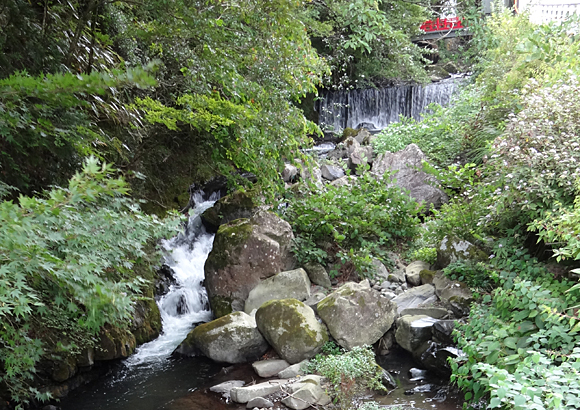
x=508, y=152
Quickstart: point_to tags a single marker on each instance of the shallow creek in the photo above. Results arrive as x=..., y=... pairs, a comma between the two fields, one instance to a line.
x=151, y=379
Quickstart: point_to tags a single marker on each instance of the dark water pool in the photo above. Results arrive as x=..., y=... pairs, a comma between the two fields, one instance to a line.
x=146, y=387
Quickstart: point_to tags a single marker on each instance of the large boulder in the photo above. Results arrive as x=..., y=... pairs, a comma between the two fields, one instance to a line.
x=306, y=392
x=291, y=329
x=405, y=167
x=356, y=154
x=357, y=315
x=233, y=338
x=415, y=297
x=246, y=251
x=240, y=204
x=413, y=272
x=288, y=284
x=452, y=249
x=146, y=321
x=413, y=331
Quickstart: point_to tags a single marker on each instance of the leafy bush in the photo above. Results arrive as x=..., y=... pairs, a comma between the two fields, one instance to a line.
x=351, y=222
x=474, y=274
x=67, y=261
x=349, y=373
x=522, y=345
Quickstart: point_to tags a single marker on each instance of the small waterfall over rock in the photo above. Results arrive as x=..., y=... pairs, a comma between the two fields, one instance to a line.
x=186, y=303
x=375, y=108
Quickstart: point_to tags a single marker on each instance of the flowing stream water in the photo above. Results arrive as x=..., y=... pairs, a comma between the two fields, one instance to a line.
x=150, y=377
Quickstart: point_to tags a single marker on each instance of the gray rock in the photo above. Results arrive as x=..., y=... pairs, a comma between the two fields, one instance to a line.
x=417, y=374
x=311, y=174
x=346, y=180
x=388, y=380
x=413, y=331
x=288, y=284
x=380, y=270
x=434, y=312
x=340, y=152
x=304, y=393
x=414, y=297
x=269, y=368
x=291, y=329
x=247, y=393
x=331, y=172
x=233, y=338
x=225, y=388
x=397, y=276
x=363, y=136
x=245, y=252
x=443, y=330
x=313, y=300
x=413, y=272
x=406, y=167
x=317, y=274
x=452, y=249
x=290, y=173
x=356, y=314
x=456, y=295
x=260, y=403
x=293, y=370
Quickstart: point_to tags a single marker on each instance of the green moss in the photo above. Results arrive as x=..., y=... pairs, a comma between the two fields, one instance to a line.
x=221, y=305
x=427, y=276
x=227, y=239
x=349, y=132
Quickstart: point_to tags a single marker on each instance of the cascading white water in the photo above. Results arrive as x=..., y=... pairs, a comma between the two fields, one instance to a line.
x=186, y=303
x=375, y=108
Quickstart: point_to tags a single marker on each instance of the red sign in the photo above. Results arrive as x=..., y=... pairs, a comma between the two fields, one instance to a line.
x=451, y=23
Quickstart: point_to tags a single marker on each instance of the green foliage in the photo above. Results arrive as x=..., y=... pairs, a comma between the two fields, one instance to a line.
x=352, y=222
x=68, y=258
x=47, y=123
x=425, y=254
x=366, y=41
x=474, y=274
x=561, y=227
x=522, y=345
x=349, y=373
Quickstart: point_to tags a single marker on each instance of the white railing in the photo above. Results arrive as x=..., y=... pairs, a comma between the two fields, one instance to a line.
x=544, y=11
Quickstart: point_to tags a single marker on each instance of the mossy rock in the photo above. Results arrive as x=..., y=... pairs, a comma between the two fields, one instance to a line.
x=146, y=321
x=246, y=251
x=291, y=329
x=240, y=204
x=357, y=315
x=349, y=132
x=427, y=276
x=233, y=338
x=452, y=249
x=114, y=343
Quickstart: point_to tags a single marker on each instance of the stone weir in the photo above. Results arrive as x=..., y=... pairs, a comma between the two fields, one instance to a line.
x=375, y=108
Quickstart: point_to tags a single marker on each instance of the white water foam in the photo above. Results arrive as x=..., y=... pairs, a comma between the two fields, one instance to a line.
x=186, y=303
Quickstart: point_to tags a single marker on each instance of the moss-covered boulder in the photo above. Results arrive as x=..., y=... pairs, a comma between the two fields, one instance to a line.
x=114, y=343
x=291, y=329
x=357, y=315
x=240, y=204
x=288, y=284
x=452, y=249
x=233, y=338
x=146, y=324
x=245, y=251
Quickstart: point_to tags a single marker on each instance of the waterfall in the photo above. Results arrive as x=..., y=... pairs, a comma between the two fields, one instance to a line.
x=375, y=108
x=186, y=303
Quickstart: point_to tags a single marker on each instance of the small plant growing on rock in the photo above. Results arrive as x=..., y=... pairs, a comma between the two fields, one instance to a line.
x=348, y=374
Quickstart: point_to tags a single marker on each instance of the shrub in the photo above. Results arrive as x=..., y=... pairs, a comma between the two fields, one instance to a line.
x=352, y=222
x=67, y=262
x=349, y=373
